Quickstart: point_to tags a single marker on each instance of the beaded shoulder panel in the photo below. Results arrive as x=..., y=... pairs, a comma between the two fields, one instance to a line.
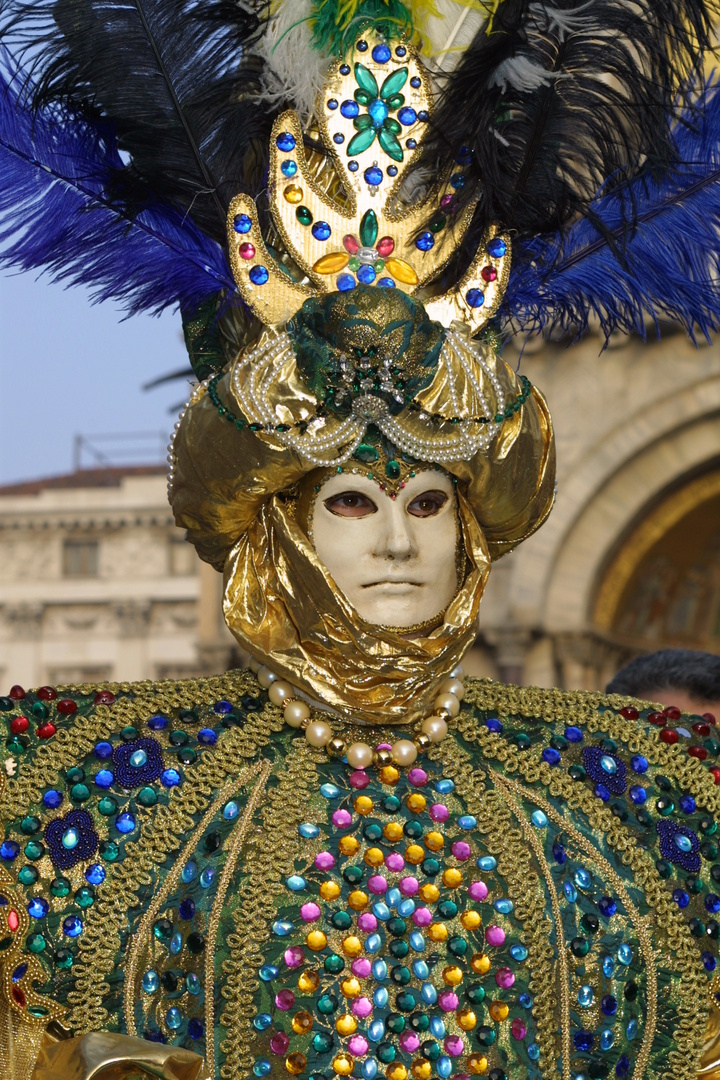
x=536, y=897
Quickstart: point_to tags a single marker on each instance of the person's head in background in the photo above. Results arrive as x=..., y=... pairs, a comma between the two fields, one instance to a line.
x=682, y=677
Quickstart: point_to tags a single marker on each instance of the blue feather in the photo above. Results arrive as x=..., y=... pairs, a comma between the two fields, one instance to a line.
x=56, y=214
x=666, y=269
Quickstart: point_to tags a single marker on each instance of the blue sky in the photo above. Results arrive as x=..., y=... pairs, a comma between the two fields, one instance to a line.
x=69, y=367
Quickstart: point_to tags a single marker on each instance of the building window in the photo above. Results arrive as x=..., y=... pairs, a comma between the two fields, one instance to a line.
x=182, y=557
x=80, y=558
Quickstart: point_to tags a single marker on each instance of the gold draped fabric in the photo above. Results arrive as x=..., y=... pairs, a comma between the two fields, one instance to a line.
x=106, y=1056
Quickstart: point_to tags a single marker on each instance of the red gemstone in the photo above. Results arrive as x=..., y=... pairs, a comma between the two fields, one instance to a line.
x=702, y=729
x=47, y=693
x=19, y=725
x=358, y=779
x=657, y=718
x=13, y=920
x=709, y=717
x=669, y=735
x=104, y=697
x=46, y=731
x=385, y=246
x=488, y=273
x=67, y=707
x=247, y=251
x=672, y=712
x=19, y=996
x=698, y=751
x=350, y=244
x=17, y=693
x=629, y=713
x=715, y=770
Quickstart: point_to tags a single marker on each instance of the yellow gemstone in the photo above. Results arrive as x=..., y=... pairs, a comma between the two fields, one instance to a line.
x=499, y=1010
x=438, y=931
x=467, y=1019
x=393, y=831
x=401, y=271
x=429, y=893
x=346, y=1024
x=471, y=920
x=421, y=1069
x=389, y=775
x=374, y=856
x=316, y=940
x=309, y=982
x=358, y=899
x=349, y=845
x=452, y=878
x=352, y=946
x=480, y=963
x=343, y=1064
x=477, y=1064
x=416, y=802
x=435, y=841
x=295, y=1063
x=396, y=1071
x=329, y=890
x=302, y=1022
x=350, y=988
x=452, y=975
x=332, y=262
x=294, y=194
x=363, y=804
x=414, y=854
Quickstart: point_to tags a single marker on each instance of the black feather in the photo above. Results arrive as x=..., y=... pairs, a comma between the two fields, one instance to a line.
x=563, y=97
x=176, y=79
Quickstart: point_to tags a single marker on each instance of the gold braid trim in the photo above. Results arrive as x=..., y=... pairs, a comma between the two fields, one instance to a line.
x=273, y=859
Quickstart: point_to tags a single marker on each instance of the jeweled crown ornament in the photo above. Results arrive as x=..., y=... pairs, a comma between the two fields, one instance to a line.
x=359, y=222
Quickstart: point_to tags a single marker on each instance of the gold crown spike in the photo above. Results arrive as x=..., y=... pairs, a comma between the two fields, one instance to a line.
x=366, y=227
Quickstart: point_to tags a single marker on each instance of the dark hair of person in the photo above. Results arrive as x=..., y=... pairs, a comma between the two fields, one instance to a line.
x=697, y=673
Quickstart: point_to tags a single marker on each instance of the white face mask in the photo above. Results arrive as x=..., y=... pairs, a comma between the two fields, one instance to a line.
x=394, y=560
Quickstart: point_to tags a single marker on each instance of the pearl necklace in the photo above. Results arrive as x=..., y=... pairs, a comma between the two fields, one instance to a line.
x=361, y=755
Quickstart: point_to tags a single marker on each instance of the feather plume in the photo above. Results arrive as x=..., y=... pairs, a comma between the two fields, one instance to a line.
x=176, y=78
x=55, y=214
x=293, y=71
x=666, y=267
x=449, y=27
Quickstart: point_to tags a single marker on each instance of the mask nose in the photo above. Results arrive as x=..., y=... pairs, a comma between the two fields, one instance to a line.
x=398, y=540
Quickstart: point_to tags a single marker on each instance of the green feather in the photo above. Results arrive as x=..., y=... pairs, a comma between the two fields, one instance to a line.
x=336, y=24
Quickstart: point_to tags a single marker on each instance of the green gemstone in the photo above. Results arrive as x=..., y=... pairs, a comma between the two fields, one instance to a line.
x=179, y=738
x=709, y=850
x=379, y=266
x=79, y=792
x=458, y=946
x=485, y=1035
x=400, y=975
x=431, y=867
x=369, y=229
x=341, y=920
x=644, y=818
x=396, y=927
x=419, y=1022
x=391, y=804
x=392, y=469
x=398, y=949
x=366, y=453
x=362, y=122
x=395, y=1022
x=353, y=264
x=367, y=81
x=60, y=887
x=85, y=897
x=40, y=710
x=34, y=850
x=327, y=1004
x=303, y=215
x=38, y=1011
x=393, y=84
x=362, y=97
x=30, y=825
x=694, y=885
x=15, y=746
x=187, y=756
x=334, y=964
x=708, y=826
x=475, y=993
x=447, y=909
x=353, y=874
x=75, y=776
x=28, y=875
x=63, y=959
x=322, y=1042
x=413, y=829
x=129, y=733
x=386, y=1053
x=559, y=742
x=373, y=832
x=361, y=142
x=6, y=943
x=665, y=806
x=577, y=772
x=147, y=796
x=522, y=741
x=162, y=929
x=36, y=943
x=107, y=806
x=109, y=850
x=188, y=716
x=390, y=144
x=430, y=1049
x=392, y=125
x=579, y=946
x=438, y=223
x=396, y=101
x=712, y=746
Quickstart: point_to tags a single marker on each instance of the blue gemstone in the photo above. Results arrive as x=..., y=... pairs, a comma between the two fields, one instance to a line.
x=125, y=823
x=625, y=955
x=683, y=842
x=570, y=892
x=308, y=831
x=289, y=168
x=330, y=791
x=376, y=1030
x=638, y=763
x=497, y=248
x=381, y=911
x=429, y=993
x=637, y=794
x=282, y=927
x=261, y=1068
x=173, y=1018
x=104, y=778
x=70, y=839
x=186, y=909
x=72, y=926
x=189, y=872
x=9, y=850
x=474, y=298
x=487, y=862
x=241, y=224
x=712, y=903
x=379, y=970
x=607, y=906
x=392, y=170
x=608, y=966
x=321, y=230
x=623, y=1064
x=52, y=799
x=494, y=725
x=369, y=1068
x=104, y=749
x=405, y=908
x=170, y=778
x=709, y=961
x=573, y=734
x=349, y=109
x=332, y=104
x=231, y=810
x=609, y=1005
x=381, y=997
x=423, y=116
x=38, y=908
x=95, y=874
x=344, y=69
x=407, y=116
x=583, y=1040
x=373, y=176
x=457, y=181
x=268, y=972
x=504, y=906
x=222, y=707
x=551, y=755
x=437, y=1027
x=607, y=1039
x=519, y=953
x=386, y=283
x=608, y=764
x=207, y=736
x=533, y=1051
x=285, y=142
x=585, y=996
x=150, y=982
x=138, y=759
x=444, y=1066
x=378, y=112
x=345, y=282
x=687, y=804
x=526, y=1002
x=400, y=51
x=373, y=943
x=262, y=1022
x=415, y=82
x=381, y=53
x=176, y=944
x=539, y=819
x=467, y=822
x=445, y=787
x=602, y=792
x=366, y=274
x=296, y=883
x=353, y=166
x=582, y=878
x=393, y=897
x=682, y=899
x=420, y=969
x=258, y=275
x=425, y=241
x=559, y=853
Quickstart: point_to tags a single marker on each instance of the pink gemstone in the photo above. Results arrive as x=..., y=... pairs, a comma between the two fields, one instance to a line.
x=439, y=812
x=417, y=777
x=504, y=978
x=324, y=860
x=350, y=244
x=409, y=1042
x=342, y=818
x=279, y=1042
x=361, y=967
x=495, y=935
x=448, y=1001
x=247, y=251
x=285, y=1000
x=478, y=890
x=384, y=745
x=362, y=1007
x=310, y=912
x=488, y=273
x=385, y=246
x=358, y=779
x=367, y=922
x=409, y=886
x=422, y=916
x=395, y=862
x=358, y=1045
x=461, y=850
x=462, y=1076
x=377, y=884
x=518, y=1028
x=294, y=956
x=446, y=201
x=454, y=1045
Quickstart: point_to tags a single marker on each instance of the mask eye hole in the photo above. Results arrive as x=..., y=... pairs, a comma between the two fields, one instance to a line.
x=351, y=504
x=428, y=504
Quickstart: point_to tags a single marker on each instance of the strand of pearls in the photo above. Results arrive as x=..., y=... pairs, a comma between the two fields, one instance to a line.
x=360, y=755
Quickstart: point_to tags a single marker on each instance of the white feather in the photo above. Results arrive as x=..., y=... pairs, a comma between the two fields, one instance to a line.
x=447, y=34
x=522, y=74
x=294, y=70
